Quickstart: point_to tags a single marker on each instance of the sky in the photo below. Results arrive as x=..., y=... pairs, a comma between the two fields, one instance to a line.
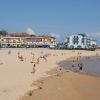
x=53, y=17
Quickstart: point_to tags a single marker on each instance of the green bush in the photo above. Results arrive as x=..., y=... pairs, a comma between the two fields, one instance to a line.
x=0, y=46
x=92, y=49
x=12, y=46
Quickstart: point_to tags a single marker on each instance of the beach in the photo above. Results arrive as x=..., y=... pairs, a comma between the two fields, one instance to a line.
x=63, y=85
x=17, y=78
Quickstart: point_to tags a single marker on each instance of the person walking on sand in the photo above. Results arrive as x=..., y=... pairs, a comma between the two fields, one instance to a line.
x=44, y=57
x=32, y=60
x=38, y=60
x=78, y=57
x=33, y=71
x=73, y=63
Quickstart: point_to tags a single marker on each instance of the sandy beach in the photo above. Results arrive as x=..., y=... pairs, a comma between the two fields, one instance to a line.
x=16, y=79
x=62, y=85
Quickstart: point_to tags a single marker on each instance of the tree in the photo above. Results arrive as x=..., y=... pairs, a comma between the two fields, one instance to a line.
x=93, y=47
x=3, y=32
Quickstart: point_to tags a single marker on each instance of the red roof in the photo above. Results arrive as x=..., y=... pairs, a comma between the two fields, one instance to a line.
x=19, y=34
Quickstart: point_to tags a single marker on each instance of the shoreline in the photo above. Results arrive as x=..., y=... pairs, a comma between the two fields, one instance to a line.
x=90, y=65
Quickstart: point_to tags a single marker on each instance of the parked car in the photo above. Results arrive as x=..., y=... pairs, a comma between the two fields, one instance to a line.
x=52, y=46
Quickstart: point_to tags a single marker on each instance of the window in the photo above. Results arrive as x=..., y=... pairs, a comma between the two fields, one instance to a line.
x=67, y=40
x=76, y=40
x=83, y=40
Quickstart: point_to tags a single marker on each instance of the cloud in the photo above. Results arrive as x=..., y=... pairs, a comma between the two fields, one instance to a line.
x=55, y=35
x=94, y=35
x=30, y=31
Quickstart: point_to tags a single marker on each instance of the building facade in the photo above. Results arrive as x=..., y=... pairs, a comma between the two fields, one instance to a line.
x=24, y=39
x=79, y=41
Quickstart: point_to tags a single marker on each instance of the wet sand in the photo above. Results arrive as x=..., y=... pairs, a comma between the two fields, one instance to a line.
x=65, y=85
x=91, y=65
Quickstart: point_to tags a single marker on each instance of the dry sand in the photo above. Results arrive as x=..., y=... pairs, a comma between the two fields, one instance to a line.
x=16, y=78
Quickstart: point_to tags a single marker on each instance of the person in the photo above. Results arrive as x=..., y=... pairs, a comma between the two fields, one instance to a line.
x=32, y=60
x=73, y=63
x=44, y=57
x=97, y=54
x=9, y=52
x=21, y=58
x=41, y=52
x=18, y=53
x=34, y=65
x=33, y=55
x=80, y=65
x=38, y=60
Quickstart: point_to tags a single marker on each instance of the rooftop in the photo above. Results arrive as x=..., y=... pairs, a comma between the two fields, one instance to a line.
x=82, y=34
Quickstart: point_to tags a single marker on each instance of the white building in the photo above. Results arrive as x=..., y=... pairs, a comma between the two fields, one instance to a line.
x=79, y=41
x=93, y=42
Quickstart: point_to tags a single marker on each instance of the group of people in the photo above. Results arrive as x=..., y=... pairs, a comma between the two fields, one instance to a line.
x=37, y=61
x=34, y=60
x=77, y=65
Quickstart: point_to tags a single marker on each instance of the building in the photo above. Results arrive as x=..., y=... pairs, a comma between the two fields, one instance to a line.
x=79, y=41
x=24, y=39
x=93, y=42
